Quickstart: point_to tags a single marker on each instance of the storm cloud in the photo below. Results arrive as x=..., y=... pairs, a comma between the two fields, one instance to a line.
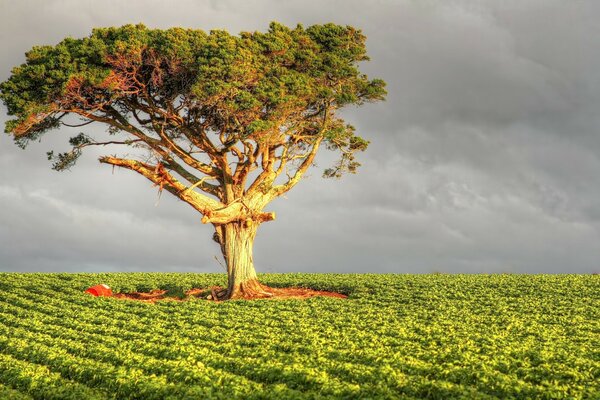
x=484, y=158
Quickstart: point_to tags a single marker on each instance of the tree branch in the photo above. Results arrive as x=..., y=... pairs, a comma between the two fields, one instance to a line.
x=160, y=177
x=76, y=125
x=214, y=212
x=281, y=189
x=236, y=211
x=182, y=154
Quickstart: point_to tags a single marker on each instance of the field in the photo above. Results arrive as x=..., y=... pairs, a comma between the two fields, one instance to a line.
x=396, y=336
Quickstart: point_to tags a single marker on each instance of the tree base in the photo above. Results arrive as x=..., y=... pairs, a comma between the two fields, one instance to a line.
x=248, y=290
x=217, y=294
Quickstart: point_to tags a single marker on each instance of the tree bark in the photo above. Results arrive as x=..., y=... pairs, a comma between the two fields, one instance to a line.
x=237, y=240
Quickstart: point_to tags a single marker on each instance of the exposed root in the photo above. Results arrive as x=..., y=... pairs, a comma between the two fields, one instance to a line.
x=217, y=293
x=248, y=290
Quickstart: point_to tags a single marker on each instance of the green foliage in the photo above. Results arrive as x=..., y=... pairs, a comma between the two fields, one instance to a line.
x=64, y=161
x=398, y=336
x=238, y=85
x=175, y=291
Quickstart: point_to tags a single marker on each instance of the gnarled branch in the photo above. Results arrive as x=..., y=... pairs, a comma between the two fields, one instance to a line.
x=161, y=177
x=281, y=189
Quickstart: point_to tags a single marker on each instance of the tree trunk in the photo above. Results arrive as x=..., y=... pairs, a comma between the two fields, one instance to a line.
x=237, y=240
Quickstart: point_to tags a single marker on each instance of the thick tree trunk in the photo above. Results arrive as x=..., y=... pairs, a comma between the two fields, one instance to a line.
x=237, y=240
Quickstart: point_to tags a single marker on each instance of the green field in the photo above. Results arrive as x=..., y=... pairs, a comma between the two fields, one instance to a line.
x=397, y=336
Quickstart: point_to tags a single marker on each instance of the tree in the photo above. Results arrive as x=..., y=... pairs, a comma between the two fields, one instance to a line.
x=225, y=123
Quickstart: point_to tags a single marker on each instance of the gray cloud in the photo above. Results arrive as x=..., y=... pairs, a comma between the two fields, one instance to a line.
x=483, y=159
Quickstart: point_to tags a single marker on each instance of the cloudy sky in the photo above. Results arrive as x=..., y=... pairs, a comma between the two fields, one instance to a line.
x=484, y=159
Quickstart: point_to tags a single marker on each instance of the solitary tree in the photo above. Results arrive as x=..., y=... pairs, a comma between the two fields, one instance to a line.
x=225, y=123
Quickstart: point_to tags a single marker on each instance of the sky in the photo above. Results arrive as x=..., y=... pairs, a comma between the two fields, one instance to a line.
x=485, y=158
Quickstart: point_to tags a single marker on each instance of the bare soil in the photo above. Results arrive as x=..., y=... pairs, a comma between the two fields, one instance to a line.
x=208, y=294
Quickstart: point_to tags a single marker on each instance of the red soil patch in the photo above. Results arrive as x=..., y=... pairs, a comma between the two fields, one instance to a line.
x=302, y=293
x=278, y=294
x=152, y=296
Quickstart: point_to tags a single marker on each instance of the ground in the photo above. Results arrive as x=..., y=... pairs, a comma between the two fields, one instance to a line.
x=395, y=336
x=210, y=294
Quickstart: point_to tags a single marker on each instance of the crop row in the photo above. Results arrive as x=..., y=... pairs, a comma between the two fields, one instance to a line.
x=429, y=336
x=180, y=359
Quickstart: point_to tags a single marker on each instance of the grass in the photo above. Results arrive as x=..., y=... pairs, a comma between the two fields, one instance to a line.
x=397, y=336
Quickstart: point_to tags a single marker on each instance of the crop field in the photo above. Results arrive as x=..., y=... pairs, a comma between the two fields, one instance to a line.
x=396, y=336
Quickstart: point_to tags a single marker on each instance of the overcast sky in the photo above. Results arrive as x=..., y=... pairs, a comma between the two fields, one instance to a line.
x=485, y=158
